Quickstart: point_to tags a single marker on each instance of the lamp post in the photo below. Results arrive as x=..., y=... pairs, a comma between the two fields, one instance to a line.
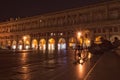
x=79, y=35
x=80, y=39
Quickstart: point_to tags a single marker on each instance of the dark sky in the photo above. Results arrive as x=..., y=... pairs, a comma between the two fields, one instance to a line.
x=24, y=8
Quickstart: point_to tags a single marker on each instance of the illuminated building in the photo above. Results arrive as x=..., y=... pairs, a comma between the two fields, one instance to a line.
x=58, y=29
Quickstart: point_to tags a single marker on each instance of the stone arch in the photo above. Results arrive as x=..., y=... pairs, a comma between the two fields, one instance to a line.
x=20, y=44
x=61, y=44
x=51, y=44
x=27, y=44
x=8, y=44
x=26, y=36
x=26, y=41
x=72, y=42
x=112, y=37
x=4, y=44
x=42, y=44
x=97, y=39
x=34, y=44
x=14, y=43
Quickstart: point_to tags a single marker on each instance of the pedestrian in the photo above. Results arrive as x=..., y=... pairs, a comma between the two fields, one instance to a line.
x=106, y=44
x=116, y=42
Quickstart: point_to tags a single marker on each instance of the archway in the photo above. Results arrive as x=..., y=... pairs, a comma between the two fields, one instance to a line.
x=9, y=43
x=14, y=44
x=35, y=44
x=26, y=42
x=42, y=44
x=61, y=44
x=97, y=40
x=20, y=45
x=4, y=44
x=51, y=44
x=72, y=42
x=112, y=37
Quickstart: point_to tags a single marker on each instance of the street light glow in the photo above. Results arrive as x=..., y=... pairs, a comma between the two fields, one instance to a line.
x=24, y=38
x=79, y=34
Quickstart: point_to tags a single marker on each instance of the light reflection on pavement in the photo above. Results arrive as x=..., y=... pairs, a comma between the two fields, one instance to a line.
x=39, y=66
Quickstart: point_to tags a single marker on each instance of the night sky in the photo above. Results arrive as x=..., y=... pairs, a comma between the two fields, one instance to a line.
x=26, y=8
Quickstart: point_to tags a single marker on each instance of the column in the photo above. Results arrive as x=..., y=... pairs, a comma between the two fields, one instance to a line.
x=107, y=34
x=23, y=44
x=46, y=43
x=17, y=41
x=38, y=40
x=67, y=43
x=56, y=43
x=17, y=44
x=46, y=51
x=31, y=43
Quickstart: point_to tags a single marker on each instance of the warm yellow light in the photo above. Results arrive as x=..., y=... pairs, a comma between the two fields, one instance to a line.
x=24, y=38
x=79, y=34
x=20, y=47
x=27, y=47
x=42, y=41
x=14, y=47
x=81, y=61
x=97, y=40
x=89, y=55
x=88, y=41
x=51, y=41
x=27, y=42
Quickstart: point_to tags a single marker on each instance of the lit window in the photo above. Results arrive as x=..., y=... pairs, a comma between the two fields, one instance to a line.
x=61, y=34
x=51, y=34
x=40, y=20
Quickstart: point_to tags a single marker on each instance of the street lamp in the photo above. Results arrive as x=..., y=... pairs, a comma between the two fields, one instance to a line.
x=79, y=34
x=79, y=38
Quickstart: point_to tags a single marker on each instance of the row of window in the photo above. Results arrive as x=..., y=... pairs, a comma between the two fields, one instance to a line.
x=67, y=19
x=38, y=34
x=104, y=30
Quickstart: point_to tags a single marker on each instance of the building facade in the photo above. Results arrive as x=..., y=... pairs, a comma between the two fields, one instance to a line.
x=64, y=29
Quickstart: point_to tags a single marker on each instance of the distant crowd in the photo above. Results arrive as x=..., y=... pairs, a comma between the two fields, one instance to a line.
x=105, y=45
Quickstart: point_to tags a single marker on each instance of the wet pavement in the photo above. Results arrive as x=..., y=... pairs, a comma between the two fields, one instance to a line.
x=106, y=68
x=44, y=66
